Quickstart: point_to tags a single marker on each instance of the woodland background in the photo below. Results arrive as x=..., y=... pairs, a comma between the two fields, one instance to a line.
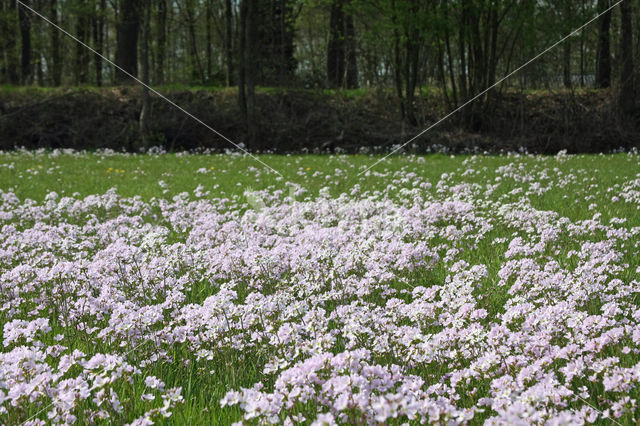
x=320, y=75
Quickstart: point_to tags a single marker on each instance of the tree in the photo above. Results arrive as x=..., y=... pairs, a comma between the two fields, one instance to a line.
x=335, y=48
x=446, y=50
x=406, y=29
x=9, y=71
x=145, y=112
x=603, y=55
x=342, y=67
x=127, y=43
x=228, y=41
x=97, y=24
x=627, y=95
x=196, y=64
x=351, y=77
x=274, y=22
x=483, y=41
x=410, y=15
x=566, y=45
x=282, y=30
x=246, y=80
x=209, y=38
x=81, y=66
x=161, y=37
x=25, y=46
x=56, y=57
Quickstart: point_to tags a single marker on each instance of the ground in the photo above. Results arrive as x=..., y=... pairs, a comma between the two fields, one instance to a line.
x=315, y=121
x=205, y=289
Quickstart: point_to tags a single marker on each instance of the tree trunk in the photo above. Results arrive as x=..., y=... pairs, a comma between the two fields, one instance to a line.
x=193, y=47
x=228, y=45
x=145, y=112
x=492, y=61
x=447, y=43
x=476, y=54
x=335, y=48
x=127, y=44
x=285, y=39
x=56, y=58
x=582, y=42
x=627, y=86
x=98, y=38
x=350, y=53
x=246, y=82
x=464, y=86
x=412, y=63
x=411, y=80
x=603, y=55
x=582, y=58
x=442, y=77
x=209, y=55
x=161, y=27
x=566, y=64
x=242, y=65
x=11, y=59
x=568, y=16
x=39, y=70
x=25, y=38
x=81, y=68
x=250, y=71
x=397, y=60
x=281, y=41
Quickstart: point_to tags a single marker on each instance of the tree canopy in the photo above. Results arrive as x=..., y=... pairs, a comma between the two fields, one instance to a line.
x=456, y=47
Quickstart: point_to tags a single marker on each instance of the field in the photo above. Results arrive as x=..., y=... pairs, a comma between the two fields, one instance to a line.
x=203, y=289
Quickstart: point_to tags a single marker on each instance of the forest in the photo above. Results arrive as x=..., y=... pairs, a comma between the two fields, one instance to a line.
x=292, y=75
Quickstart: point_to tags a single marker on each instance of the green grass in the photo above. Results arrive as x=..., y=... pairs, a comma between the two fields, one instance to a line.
x=34, y=175
x=178, y=87
x=204, y=383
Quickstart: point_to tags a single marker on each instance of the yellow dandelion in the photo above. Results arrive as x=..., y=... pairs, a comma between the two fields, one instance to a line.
x=308, y=168
x=212, y=168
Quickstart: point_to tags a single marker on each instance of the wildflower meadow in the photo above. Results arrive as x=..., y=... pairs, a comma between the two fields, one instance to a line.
x=207, y=289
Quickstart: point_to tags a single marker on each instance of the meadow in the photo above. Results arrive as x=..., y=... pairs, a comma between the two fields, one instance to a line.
x=205, y=289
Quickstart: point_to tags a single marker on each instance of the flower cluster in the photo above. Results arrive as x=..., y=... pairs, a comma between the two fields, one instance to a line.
x=468, y=299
